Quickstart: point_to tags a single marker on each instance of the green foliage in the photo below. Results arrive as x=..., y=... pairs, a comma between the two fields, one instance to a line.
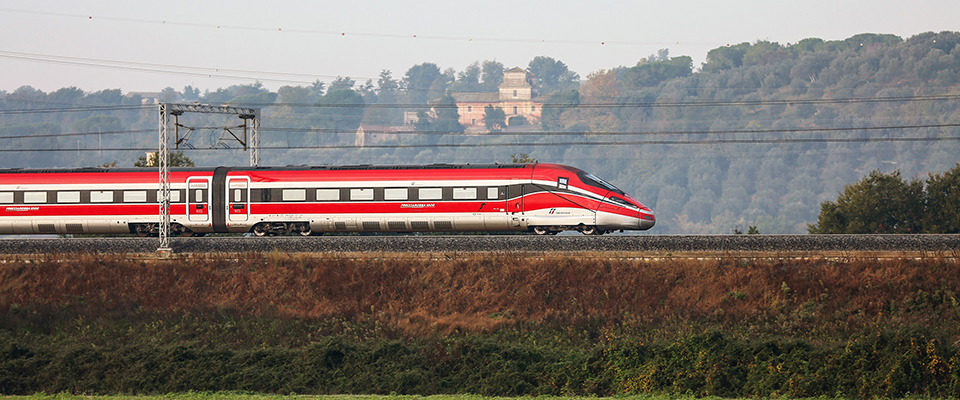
x=419, y=83
x=653, y=73
x=494, y=118
x=942, y=213
x=448, y=116
x=554, y=105
x=552, y=75
x=885, y=203
x=177, y=159
x=340, y=110
x=523, y=158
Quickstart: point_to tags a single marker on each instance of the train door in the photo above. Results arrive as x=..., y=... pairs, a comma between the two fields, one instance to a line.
x=515, y=199
x=238, y=198
x=198, y=199
x=496, y=217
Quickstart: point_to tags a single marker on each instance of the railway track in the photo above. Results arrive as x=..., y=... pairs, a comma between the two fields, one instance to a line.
x=612, y=245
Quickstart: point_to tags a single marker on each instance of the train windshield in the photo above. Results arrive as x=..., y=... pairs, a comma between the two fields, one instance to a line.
x=593, y=180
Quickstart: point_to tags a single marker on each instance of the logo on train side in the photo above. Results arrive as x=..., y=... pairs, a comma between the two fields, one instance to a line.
x=22, y=209
x=418, y=205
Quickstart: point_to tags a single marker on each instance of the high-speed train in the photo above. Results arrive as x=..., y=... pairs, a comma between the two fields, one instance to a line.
x=311, y=200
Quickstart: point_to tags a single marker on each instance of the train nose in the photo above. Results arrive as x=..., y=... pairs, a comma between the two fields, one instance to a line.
x=647, y=220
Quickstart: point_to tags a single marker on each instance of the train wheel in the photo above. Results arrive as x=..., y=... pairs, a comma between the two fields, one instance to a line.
x=142, y=230
x=591, y=230
x=260, y=230
x=542, y=231
x=303, y=229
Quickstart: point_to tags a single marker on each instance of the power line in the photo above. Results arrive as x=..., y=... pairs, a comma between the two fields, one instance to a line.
x=580, y=143
x=730, y=103
x=408, y=36
x=627, y=133
x=78, y=134
x=74, y=109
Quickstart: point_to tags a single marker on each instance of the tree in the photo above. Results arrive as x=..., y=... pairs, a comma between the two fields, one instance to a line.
x=97, y=123
x=554, y=105
x=494, y=118
x=878, y=203
x=468, y=80
x=523, y=158
x=448, y=117
x=418, y=81
x=553, y=75
x=341, y=110
x=492, y=75
x=177, y=159
x=341, y=83
x=942, y=214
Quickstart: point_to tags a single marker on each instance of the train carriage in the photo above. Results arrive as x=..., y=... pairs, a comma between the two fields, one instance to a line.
x=543, y=198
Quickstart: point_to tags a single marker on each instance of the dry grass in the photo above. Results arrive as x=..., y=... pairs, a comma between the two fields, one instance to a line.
x=448, y=293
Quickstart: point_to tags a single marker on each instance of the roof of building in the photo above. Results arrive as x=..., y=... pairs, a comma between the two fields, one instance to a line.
x=476, y=97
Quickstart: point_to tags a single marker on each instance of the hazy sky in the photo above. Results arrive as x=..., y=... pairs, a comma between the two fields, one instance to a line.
x=147, y=46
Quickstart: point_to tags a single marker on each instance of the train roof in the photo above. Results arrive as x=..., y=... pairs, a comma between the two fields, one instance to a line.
x=358, y=167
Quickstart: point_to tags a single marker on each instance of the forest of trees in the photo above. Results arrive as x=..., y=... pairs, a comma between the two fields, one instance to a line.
x=758, y=135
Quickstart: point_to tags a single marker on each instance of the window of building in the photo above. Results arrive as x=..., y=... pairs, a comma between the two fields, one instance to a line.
x=68, y=197
x=431, y=193
x=135, y=196
x=514, y=109
x=361, y=194
x=328, y=194
x=294, y=194
x=514, y=93
x=104, y=196
x=469, y=108
x=464, y=193
x=395, y=194
x=533, y=108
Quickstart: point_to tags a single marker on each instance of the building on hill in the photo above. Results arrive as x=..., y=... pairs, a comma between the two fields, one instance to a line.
x=375, y=134
x=517, y=97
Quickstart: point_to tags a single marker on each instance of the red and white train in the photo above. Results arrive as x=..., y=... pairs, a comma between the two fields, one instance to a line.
x=543, y=198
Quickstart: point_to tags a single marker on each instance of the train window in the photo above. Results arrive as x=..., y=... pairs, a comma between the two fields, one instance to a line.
x=361, y=194
x=622, y=202
x=101, y=196
x=562, y=182
x=68, y=197
x=492, y=193
x=35, y=197
x=395, y=194
x=198, y=198
x=294, y=194
x=135, y=196
x=464, y=193
x=174, y=196
x=328, y=194
x=431, y=193
x=237, y=195
x=6, y=197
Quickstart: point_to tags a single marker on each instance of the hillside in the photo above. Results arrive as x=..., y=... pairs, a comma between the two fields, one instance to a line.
x=759, y=135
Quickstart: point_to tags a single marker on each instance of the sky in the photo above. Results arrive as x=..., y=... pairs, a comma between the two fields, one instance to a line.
x=139, y=46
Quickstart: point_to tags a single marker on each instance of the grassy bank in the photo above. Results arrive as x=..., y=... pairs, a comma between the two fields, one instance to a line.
x=504, y=325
